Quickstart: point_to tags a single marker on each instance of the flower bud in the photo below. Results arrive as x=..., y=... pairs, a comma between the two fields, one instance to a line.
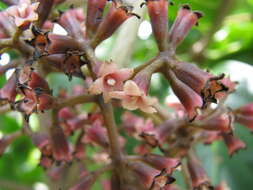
x=144, y=173
x=197, y=173
x=220, y=123
x=110, y=23
x=185, y=20
x=187, y=96
x=95, y=10
x=61, y=151
x=161, y=162
x=158, y=12
x=203, y=83
x=233, y=143
x=244, y=116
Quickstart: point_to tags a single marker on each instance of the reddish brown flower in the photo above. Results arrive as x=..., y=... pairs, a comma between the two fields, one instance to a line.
x=110, y=23
x=187, y=96
x=161, y=162
x=197, y=173
x=158, y=12
x=233, y=143
x=60, y=146
x=244, y=116
x=185, y=20
x=96, y=134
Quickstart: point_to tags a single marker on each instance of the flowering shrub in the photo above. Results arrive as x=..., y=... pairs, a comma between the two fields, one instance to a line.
x=165, y=139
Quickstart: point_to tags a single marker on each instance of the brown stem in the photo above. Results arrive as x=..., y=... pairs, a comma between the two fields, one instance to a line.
x=116, y=154
x=75, y=100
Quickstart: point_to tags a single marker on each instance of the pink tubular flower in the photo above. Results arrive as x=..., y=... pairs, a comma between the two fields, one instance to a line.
x=198, y=174
x=233, y=143
x=158, y=12
x=133, y=98
x=187, y=96
x=185, y=20
x=110, y=23
x=244, y=116
x=110, y=79
x=24, y=13
x=160, y=162
x=60, y=146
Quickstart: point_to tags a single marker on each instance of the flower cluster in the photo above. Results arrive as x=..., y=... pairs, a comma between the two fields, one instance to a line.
x=78, y=125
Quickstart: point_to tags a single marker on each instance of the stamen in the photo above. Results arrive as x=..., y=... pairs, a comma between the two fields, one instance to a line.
x=111, y=82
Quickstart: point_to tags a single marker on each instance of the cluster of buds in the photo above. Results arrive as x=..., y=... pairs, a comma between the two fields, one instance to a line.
x=70, y=129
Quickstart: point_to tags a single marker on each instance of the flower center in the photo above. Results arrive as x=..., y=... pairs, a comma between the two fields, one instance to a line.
x=111, y=81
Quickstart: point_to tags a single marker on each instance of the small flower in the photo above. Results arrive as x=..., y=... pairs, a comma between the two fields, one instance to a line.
x=160, y=162
x=60, y=146
x=111, y=22
x=244, y=116
x=187, y=96
x=144, y=173
x=197, y=173
x=133, y=98
x=185, y=20
x=110, y=79
x=233, y=143
x=158, y=12
x=24, y=13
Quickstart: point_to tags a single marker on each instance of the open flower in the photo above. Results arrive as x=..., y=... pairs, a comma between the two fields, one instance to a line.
x=24, y=13
x=110, y=79
x=133, y=98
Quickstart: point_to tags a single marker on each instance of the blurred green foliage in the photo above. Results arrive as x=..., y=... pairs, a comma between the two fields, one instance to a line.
x=233, y=41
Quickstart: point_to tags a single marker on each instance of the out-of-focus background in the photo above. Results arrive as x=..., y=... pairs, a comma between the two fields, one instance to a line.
x=223, y=42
